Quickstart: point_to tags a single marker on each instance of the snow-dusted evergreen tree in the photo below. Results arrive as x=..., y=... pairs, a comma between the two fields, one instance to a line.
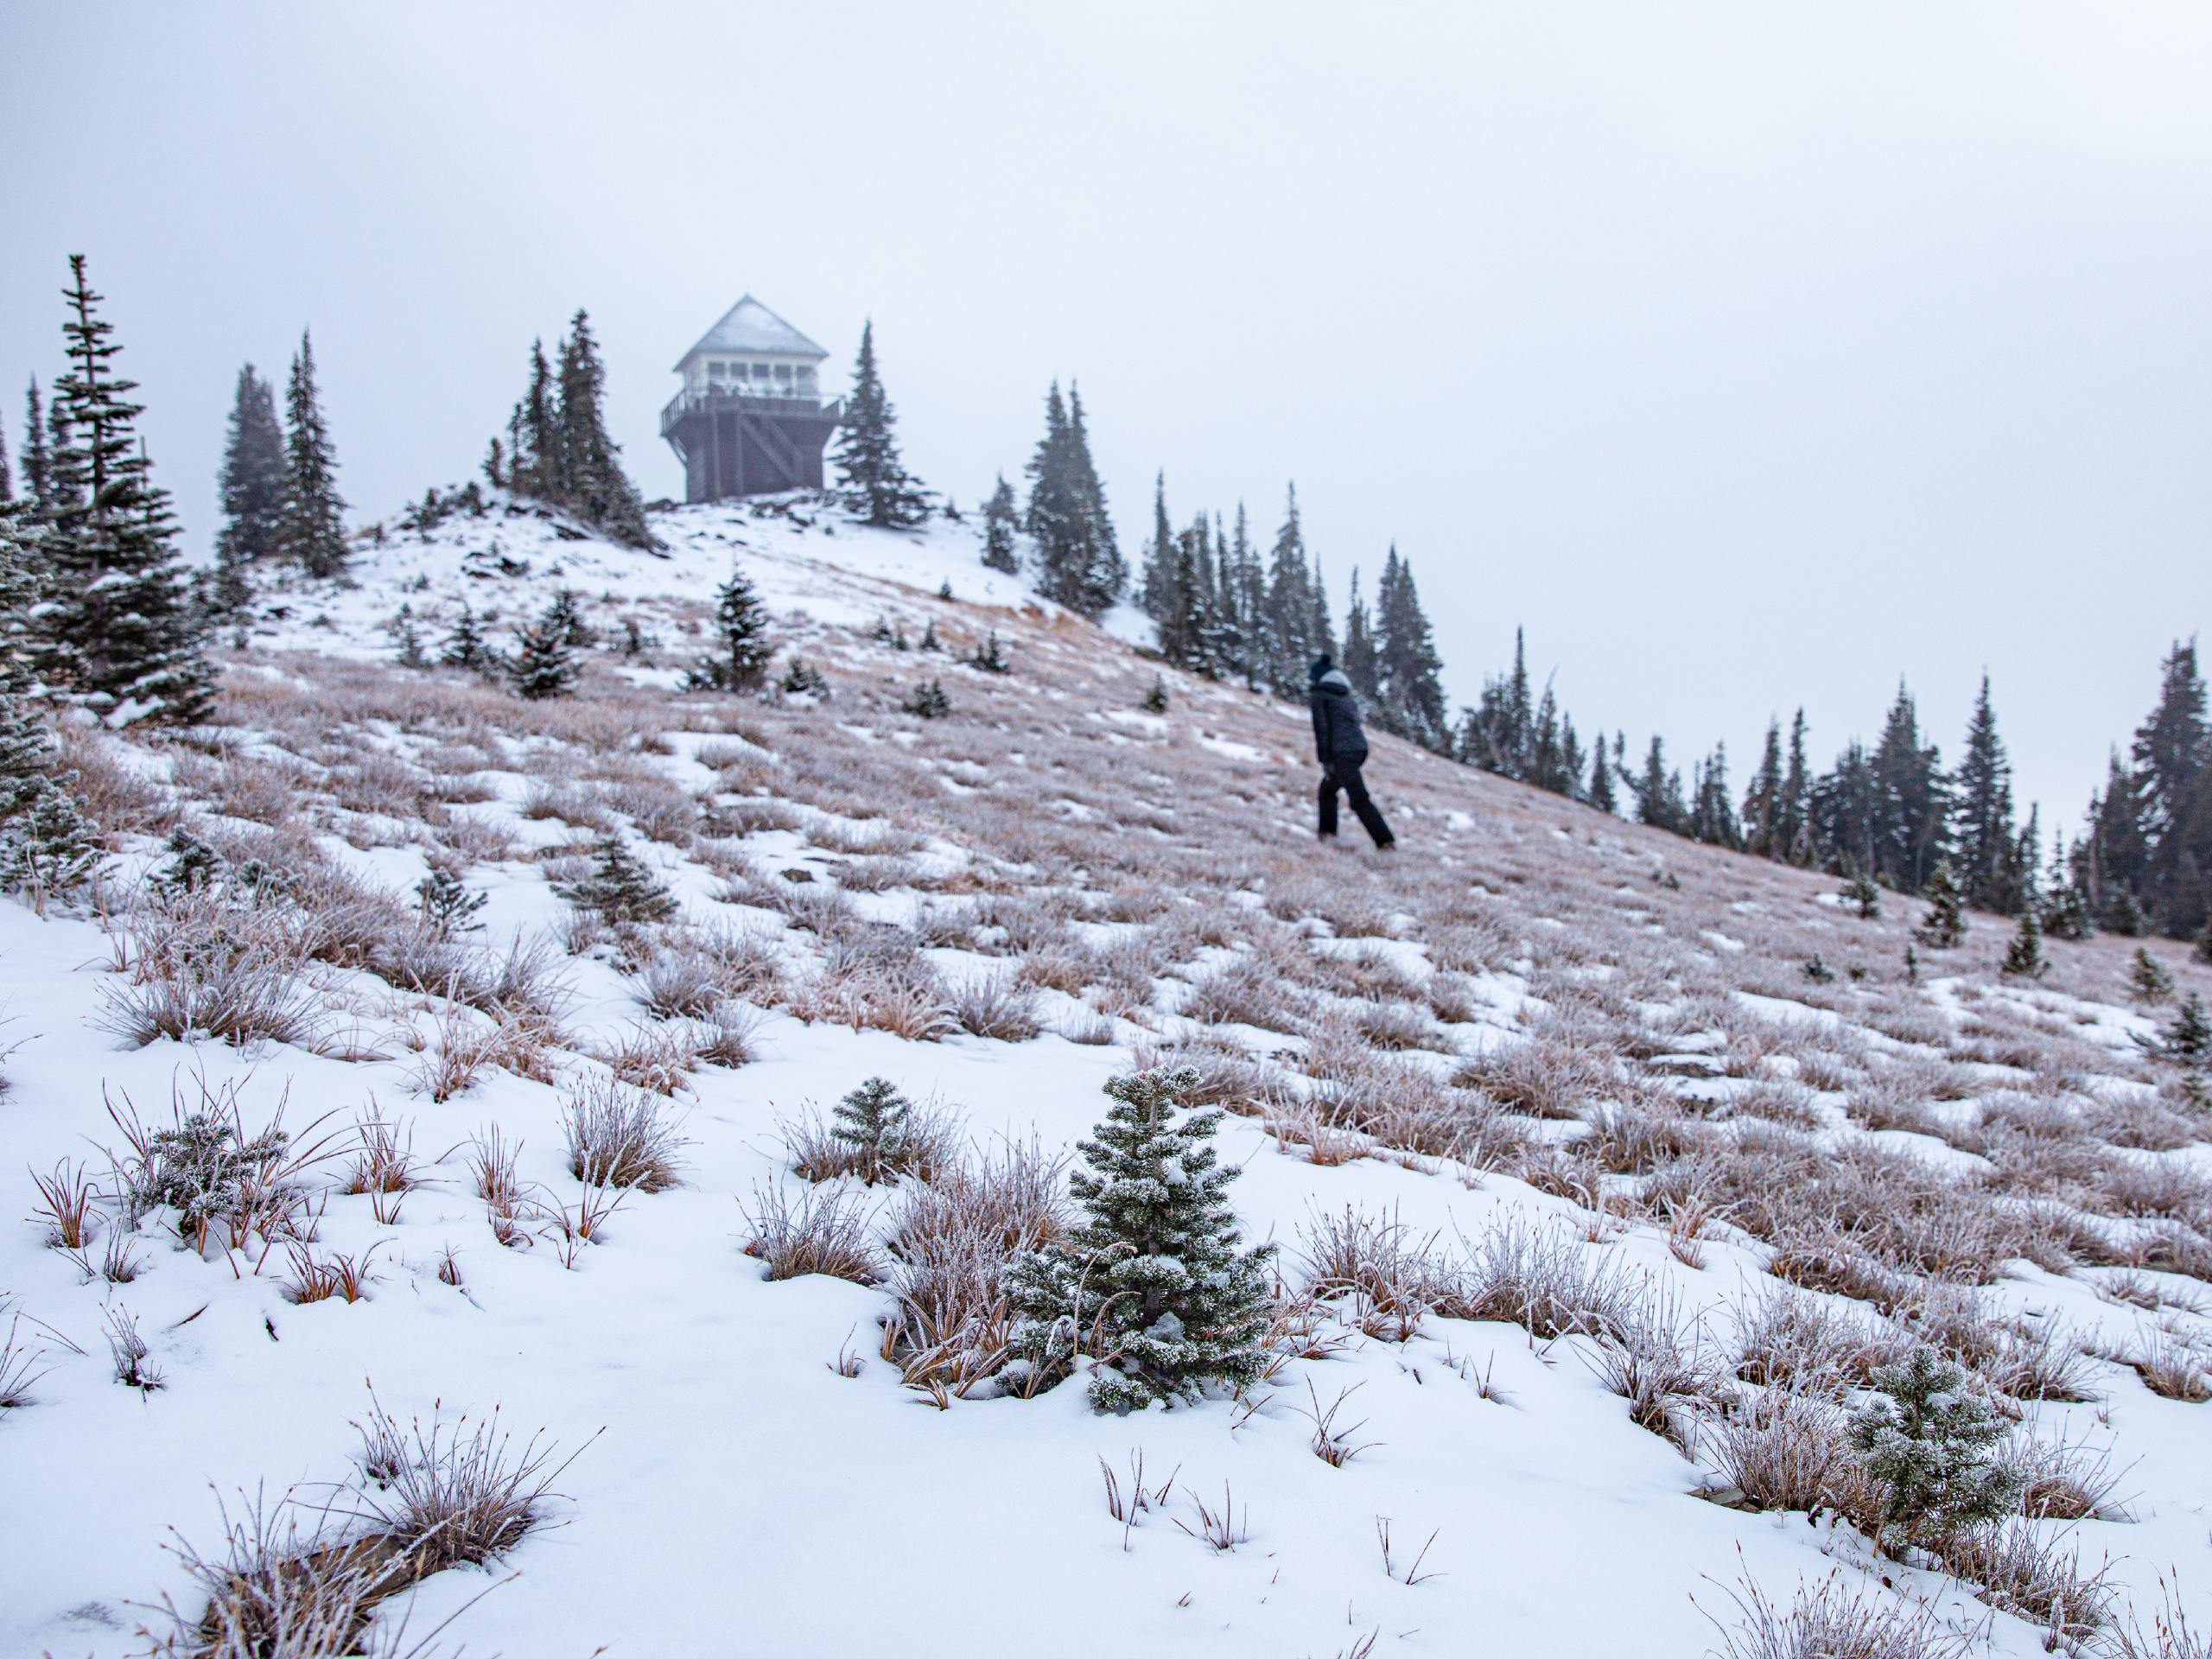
x=875, y=480
x=872, y=1120
x=47, y=847
x=1928, y=1441
x=2148, y=980
x=1982, y=830
x=990, y=656
x=1793, y=807
x=543, y=663
x=1359, y=663
x=1408, y=670
x=1245, y=587
x=1155, y=594
x=37, y=457
x=1498, y=734
x=1151, y=1284
x=1911, y=801
x=1001, y=521
x=1944, y=924
x=619, y=888
x=743, y=652
x=1658, y=791
x=118, y=625
x=588, y=480
x=1863, y=895
x=2172, y=803
x=1155, y=700
x=927, y=701
x=1763, y=799
x=7, y=474
x=1079, y=564
x=2023, y=957
x=464, y=647
x=1712, y=808
x=533, y=466
x=1294, y=616
x=1601, y=793
x=310, y=530
x=252, y=479
x=2203, y=953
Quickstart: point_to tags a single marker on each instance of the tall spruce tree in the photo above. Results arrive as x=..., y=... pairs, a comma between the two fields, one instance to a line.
x=1151, y=1283
x=1658, y=792
x=310, y=527
x=876, y=482
x=47, y=848
x=1080, y=566
x=588, y=477
x=1601, y=793
x=1248, y=587
x=543, y=662
x=1912, y=822
x=742, y=652
x=119, y=627
x=1409, y=672
x=1792, y=808
x=7, y=474
x=1763, y=799
x=1359, y=664
x=37, y=456
x=1843, y=815
x=251, y=484
x=533, y=466
x=1985, y=843
x=1001, y=521
x=2172, y=753
x=1712, y=808
x=1156, y=576
x=1291, y=607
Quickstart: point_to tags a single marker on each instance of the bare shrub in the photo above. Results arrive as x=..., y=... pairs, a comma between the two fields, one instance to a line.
x=2065, y=1480
x=2169, y=1636
x=621, y=1135
x=1786, y=1338
x=202, y=966
x=2168, y=1366
x=2040, y=1359
x=1783, y=1448
x=448, y=1494
x=825, y=1229
x=656, y=1058
x=949, y=1245
x=995, y=1005
x=1541, y=1279
x=65, y=1205
x=886, y=990
x=1246, y=992
x=1539, y=1078
x=19, y=1365
x=2030, y=1572
x=277, y=1590
x=1394, y=1276
x=1834, y=1620
x=1660, y=1363
x=679, y=984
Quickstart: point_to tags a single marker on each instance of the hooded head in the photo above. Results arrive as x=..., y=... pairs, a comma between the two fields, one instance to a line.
x=1321, y=665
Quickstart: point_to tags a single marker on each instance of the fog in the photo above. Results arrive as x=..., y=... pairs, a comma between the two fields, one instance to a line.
x=1748, y=356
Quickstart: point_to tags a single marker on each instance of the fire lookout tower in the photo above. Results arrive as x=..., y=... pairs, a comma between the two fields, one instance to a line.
x=750, y=419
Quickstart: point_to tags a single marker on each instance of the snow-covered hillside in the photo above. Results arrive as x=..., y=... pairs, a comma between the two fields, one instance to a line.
x=1590, y=1206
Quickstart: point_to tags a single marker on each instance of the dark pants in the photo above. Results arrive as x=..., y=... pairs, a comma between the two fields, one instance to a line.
x=1347, y=779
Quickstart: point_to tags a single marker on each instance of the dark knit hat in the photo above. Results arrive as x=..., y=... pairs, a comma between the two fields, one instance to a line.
x=1321, y=665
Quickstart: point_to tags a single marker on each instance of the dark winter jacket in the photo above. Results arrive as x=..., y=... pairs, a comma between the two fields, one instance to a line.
x=1338, y=740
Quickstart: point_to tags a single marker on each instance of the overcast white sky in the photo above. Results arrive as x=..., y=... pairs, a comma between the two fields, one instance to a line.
x=1750, y=355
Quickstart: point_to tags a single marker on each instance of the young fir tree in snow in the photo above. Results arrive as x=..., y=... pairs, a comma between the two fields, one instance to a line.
x=446, y=904
x=619, y=888
x=802, y=679
x=873, y=1120
x=2187, y=1041
x=927, y=701
x=1763, y=798
x=1863, y=895
x=543, y=663
x=407, y=638
x=1155, y=700
x=565, y=617
x=2023, y=957
x=1928, y=1442
x=2147, y=978
x=1602, y=768
x=464, y=647
x=2203, y=953
x=1151, y=1283
x=1944, y=924
x=876, y=482
x=1359, y=662
x=252, y=482
x=1712, y=808
x=1000, y=520
x=743, y=652
x=990, y=656
x=588, y=477
x=47, y=848
x=117, y=622
x=37, y=457
x=533, y=458
x=310, y=524
x=1155, y=594
x=1658, y=791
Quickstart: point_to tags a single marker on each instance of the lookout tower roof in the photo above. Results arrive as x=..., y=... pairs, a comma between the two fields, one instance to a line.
x=749, y=326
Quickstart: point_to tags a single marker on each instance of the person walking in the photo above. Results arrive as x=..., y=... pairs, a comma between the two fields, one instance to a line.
x=1341, y=748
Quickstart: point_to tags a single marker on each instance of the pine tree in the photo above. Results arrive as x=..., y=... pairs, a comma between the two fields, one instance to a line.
x=590, y=478
x=47, y=848
x=310, y=529
x=1248, y=592
x=2203, y=954
x=1944, y=924
x=1928, y=1441
x=2023, y=957
x=117, y=623
x=1359, y=661
x=1101, y=575
x=1792, y=808
x=1155, y=700
x=1762, y=800
x=1861, y=892
x=1658, y=792
x=927, y=701
x=464, y=647
x=619, y=889
x=2147, y=978
x=2068, y=910
x=7, y=475
x=801, y=678
x=37, y=458
x=1982, y=828
x=252, y=479
x=929, y=640
x=447, y=906
x=1156, y=577
x=1712, y=808
x=565, y=616
x=1408, y=671
x=2172, y=754
x=534, y=433
x=1295, y=619
x=1080, y=565
x=407, y=638
x=740, y=660
x=990, y=656
x=876, y=482
x=874, y=1121
x=1911, y=801
x=999, y=523
x=544, y=662
x=1151, y=1283
x=1601, y=794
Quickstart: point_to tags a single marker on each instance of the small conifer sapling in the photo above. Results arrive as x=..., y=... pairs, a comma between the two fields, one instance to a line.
x=619, y=889
x=1928, y=1441
x=2147, y=978
x=927, y=701
x=873, y=1120
x=1945, y=924
x=2023, y=957
x=1155, y=700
